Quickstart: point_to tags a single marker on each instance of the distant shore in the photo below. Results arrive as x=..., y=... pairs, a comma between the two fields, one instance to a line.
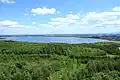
x=2, y=38
x=114, y=41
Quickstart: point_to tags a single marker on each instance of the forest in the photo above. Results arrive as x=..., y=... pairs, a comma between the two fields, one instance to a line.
x=59, y=61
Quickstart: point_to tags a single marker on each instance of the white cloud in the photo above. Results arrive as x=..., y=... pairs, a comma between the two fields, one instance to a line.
x=54, y=23
x=11, y=27
x=34, y=14
x=11, y=24
x=114, y=23
x=7, y=1
x=116, y=9
x=7, y=23
x=68, y=19
x=91, y=22
x=26, y=14
x=44, y=11
x=33, y=22
x=101, y=16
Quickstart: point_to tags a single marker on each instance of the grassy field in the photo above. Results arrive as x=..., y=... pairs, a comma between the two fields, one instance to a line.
x=54, y=61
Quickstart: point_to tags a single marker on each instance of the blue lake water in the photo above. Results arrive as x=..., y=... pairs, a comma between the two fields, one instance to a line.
x=40, y=39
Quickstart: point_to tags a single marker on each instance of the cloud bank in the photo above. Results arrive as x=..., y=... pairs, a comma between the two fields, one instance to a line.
x=44, y=11
x=91, y=22
x=7, y=1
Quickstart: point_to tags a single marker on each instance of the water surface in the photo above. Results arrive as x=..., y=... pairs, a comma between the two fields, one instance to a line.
x=70, y=40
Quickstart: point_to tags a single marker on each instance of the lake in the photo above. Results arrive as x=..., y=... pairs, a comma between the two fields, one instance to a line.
x=41, y=39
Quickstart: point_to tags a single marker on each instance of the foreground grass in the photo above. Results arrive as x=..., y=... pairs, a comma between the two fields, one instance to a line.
x=53, y=61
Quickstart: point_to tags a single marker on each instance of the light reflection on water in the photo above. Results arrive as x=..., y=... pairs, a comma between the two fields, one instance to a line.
x=70, y=40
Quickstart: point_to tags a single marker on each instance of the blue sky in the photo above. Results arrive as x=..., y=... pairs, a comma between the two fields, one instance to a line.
x=59, y=16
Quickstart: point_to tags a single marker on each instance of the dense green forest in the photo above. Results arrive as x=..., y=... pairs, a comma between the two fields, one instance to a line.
x=55, y=61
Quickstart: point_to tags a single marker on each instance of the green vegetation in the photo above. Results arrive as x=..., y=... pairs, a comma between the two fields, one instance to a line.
x=54, y=61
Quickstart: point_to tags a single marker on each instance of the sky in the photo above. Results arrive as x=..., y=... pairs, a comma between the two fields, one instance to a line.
x=59, y=16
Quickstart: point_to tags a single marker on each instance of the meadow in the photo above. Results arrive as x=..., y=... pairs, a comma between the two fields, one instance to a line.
x=59, y=61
